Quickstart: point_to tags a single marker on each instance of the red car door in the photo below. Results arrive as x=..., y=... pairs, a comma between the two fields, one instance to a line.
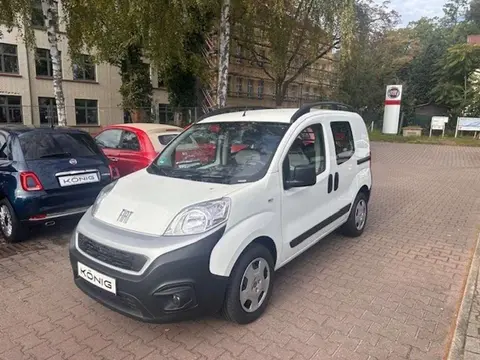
x=132, y=154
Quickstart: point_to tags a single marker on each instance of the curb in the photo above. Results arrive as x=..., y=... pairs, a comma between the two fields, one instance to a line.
x=457, y=346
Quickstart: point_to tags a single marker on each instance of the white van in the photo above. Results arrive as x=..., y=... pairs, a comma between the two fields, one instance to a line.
x=181, y=238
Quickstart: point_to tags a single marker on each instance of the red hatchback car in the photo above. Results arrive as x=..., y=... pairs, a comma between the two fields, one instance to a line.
x=132, y=147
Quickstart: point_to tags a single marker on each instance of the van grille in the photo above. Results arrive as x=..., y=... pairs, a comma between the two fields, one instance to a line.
x=118, y=258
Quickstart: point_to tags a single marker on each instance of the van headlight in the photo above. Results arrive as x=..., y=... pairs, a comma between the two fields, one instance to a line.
x=103, y=193
x=199, y=218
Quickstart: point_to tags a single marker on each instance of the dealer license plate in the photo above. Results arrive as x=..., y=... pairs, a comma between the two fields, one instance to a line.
x=98, y=279
x=79, y=179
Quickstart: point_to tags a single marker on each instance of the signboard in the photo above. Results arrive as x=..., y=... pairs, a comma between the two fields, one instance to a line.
x=467, y=124
x=391, y=115
x=394, y=94
x=438, y=123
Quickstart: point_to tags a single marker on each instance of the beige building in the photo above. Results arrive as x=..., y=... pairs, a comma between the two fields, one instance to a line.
x=91, y=91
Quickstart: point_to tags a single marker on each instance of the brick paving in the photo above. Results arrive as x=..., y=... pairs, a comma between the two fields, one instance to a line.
x=472, y=339
x=390, y=294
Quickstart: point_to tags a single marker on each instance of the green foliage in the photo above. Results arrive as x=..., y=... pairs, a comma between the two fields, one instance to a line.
x=181, y=75
x=14, y=13
x=136, y=88
x=298, y=34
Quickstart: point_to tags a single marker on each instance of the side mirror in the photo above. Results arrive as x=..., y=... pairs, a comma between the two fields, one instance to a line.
x=303, y=175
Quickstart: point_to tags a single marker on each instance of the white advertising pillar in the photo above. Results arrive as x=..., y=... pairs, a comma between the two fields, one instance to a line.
x=391, y=115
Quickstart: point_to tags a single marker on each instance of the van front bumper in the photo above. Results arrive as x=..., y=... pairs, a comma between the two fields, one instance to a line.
x=176, y=286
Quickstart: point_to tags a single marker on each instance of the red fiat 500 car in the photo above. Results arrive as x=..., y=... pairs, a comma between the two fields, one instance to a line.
x=132, y=147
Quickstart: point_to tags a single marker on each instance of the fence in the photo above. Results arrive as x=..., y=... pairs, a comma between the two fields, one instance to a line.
x=88, y=114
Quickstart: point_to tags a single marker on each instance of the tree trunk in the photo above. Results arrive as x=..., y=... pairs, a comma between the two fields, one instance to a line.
x=279, y=94
x=50, y=13
x=224, y=55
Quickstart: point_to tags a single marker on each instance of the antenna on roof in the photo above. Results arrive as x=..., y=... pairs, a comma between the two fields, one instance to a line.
x=245, y=111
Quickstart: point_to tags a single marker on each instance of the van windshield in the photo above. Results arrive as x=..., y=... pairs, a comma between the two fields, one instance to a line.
x=224, y=152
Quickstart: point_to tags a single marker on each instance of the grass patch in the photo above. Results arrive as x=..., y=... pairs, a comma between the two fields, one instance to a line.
x=434, y=140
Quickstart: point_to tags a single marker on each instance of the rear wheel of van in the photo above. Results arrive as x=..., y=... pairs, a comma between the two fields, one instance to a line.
x=250, y=287
x=11, y=227
x=358, y=217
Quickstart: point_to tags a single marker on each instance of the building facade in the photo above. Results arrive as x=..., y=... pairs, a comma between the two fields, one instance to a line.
x=91, y=90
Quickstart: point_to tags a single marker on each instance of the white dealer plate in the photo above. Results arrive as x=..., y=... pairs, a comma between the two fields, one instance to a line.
x=71, y=180
x=98, y=279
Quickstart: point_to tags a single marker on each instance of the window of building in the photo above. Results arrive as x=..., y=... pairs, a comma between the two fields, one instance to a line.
x=8, y=59
x=229, y=85
x=239, y=54
x=86, y=112
x=293, y=91
x=239, y=86
x=43, y=62
x=165, y=114
x=250, y=88
x=47, y=108
x=260, y=89
x=343, y=137
x=261, y=58
x=37, y=18
x=11, y=109
x=84, y=68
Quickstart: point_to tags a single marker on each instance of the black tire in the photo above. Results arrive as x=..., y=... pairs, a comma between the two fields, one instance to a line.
x=350, y=228
x=18, y=231
x=232, y=308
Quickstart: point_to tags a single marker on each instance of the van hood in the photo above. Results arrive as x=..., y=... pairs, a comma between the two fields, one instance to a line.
x=155, y=200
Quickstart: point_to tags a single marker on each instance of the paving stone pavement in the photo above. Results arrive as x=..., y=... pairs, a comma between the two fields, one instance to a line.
x=472, y=340
x=390, y=294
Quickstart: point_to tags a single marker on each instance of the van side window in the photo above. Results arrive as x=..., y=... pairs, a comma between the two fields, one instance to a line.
x=307, y=148
x=343, y=138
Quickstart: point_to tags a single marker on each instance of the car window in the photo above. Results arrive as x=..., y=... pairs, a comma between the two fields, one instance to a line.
x=129, y=141
x=3, y=148
x=307, y=148
x=42, y=145
x=165, y=139
x=109, y=139
x=344, y=142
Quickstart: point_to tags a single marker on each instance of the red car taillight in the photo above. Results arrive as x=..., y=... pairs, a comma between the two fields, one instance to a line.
x=30, y=181
x=113, y=172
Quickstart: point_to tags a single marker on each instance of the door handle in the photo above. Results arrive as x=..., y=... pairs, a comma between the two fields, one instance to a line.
x=335, y=186
x=330, y=183
x=113, y=159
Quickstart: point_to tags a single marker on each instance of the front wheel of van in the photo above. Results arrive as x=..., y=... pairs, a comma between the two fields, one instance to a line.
x=358, y=217
x=250, y=287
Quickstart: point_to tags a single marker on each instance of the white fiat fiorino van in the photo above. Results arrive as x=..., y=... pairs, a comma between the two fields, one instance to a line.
x=204, y=230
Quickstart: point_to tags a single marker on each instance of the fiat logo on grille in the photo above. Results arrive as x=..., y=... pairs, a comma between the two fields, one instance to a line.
x=73, y=161
x=124, y=216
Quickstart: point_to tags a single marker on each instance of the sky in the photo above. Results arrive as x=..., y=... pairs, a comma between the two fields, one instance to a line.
x=412, y=10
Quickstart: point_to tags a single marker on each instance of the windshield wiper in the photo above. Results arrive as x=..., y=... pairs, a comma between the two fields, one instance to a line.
x=59, y=154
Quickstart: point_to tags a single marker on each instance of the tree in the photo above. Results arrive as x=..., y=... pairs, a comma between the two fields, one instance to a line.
x=455, y=78
x=110, y=29
x=50, y=13
x=16, y=13
x=295, y=33
x=378, y=56
x=223, y=54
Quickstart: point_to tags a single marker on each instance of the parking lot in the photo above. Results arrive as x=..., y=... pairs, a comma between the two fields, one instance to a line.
x=390, y=294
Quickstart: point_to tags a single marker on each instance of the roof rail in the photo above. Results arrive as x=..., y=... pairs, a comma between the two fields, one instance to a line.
x=229, y=109
x=333, y=105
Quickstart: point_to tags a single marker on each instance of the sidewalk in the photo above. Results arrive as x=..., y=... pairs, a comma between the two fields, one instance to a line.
x=472, y=341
